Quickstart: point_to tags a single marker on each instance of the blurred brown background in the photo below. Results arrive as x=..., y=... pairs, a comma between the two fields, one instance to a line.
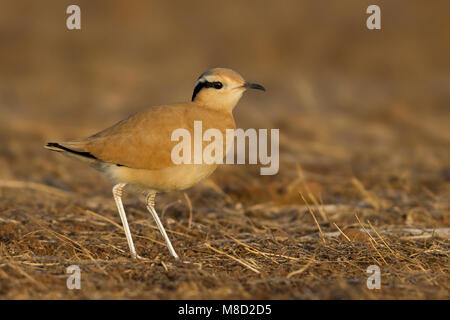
x=350, y=103
x=337, y=90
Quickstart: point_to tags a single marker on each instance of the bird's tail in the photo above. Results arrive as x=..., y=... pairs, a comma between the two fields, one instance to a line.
x=55, y=146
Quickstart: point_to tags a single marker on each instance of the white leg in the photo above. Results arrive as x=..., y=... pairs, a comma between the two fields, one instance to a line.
x=151, y=208
x=117, y=193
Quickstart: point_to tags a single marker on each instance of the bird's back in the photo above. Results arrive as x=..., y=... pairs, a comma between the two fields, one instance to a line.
x=143, y=141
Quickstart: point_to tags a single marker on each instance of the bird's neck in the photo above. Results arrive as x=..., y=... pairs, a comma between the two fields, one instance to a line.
x=220, y=103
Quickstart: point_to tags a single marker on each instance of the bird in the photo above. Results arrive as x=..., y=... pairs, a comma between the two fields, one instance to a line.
x=136, y=152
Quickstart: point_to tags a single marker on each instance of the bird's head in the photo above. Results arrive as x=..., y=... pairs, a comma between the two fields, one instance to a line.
x=221, y=88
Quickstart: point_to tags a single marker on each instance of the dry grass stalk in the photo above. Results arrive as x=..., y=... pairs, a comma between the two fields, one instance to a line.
x=245, y=264
x=302, y=179
x=381, y=238
x=92, y=213
x=190, y=209
x=372, y=240
x=256, y=251
x=342, y=232
x=34, y=186
x=304, y=268
x=314, y=217
x=368, y=196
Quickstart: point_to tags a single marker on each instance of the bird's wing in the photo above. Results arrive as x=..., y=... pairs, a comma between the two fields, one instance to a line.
x=143, y=141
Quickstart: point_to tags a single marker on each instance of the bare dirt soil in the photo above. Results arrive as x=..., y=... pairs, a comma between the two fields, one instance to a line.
x=364, y=151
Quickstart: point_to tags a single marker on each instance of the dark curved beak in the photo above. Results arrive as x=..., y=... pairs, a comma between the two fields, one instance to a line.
x=256, y=86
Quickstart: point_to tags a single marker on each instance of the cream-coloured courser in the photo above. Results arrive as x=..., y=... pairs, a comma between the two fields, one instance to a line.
x=137, y=151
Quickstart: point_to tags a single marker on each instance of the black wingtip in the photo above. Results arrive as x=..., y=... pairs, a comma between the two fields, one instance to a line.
x=53, y=144
x=62, y=148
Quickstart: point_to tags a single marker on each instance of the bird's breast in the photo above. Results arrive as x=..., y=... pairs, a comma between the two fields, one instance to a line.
x=178, y=177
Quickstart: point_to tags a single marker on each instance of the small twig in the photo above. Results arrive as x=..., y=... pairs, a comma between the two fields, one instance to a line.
x=92, y=213
x=165, y=266
x=245, y=264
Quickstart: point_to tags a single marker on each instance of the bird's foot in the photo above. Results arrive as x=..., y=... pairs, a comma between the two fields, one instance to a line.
x=138, y=257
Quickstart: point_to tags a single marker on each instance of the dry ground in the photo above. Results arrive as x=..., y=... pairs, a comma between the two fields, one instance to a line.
x=364, y=141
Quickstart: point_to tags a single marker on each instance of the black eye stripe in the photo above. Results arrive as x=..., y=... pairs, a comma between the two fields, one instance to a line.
x=206, y=84
x=197, y=88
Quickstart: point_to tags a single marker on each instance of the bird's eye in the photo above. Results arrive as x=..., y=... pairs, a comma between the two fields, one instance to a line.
x=217, y=85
